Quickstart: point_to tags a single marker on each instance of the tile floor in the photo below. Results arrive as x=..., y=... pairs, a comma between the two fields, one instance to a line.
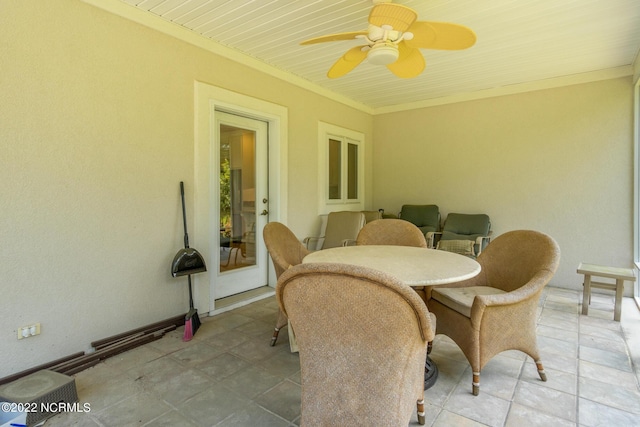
x=228, y=375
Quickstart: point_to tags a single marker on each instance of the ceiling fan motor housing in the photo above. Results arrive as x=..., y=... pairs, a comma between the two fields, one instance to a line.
x=383, y=54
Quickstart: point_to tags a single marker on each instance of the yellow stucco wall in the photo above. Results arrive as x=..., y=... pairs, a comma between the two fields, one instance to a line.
x=558, y=161
x=97, y=131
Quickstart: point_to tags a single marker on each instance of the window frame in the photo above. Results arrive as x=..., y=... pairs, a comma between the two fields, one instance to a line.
x=327, y=132
x=636, y=193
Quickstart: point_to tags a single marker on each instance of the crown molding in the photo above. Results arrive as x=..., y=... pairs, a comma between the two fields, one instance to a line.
x=556, y=82
x=132, y=13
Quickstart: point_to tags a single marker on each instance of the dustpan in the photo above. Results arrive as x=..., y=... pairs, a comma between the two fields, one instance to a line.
x=188, y=260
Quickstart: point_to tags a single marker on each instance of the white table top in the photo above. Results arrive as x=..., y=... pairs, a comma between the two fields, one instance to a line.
x=414, y=266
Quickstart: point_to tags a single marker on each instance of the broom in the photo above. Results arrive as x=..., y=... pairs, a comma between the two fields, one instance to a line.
x=191, y=319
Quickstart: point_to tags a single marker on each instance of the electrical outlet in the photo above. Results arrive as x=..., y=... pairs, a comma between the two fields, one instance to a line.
x=28, y=331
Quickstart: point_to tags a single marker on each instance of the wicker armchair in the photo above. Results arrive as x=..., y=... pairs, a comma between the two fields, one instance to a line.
x=362, y=337
x=496, y=310
x=396, y=232
x=285, y=250
x=391, y=232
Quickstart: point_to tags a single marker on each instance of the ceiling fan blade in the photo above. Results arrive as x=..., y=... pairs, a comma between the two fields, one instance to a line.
x=410, y=62
x=335, y=37
x=440, y=35
x=399, y=17
x=347, y=62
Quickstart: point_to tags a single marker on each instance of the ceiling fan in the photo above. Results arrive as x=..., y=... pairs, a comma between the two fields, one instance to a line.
x=394, y=38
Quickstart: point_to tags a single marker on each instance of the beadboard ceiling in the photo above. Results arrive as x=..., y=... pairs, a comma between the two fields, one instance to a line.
x=520, y=44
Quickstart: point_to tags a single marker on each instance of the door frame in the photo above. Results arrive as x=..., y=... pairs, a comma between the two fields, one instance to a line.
x=208, y=99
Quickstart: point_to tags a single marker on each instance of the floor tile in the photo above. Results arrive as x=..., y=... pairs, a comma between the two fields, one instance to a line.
x=281, y=364
x=72, y=419
x=559, y=319
x=104, y=394
x=525, y=416
x=547, y=400
x=256, y=350
x=161, y=368
x=500, y=376
x=554, y=346
x=557, y=380
x=611, y=359
x=283, y=400
x=620, y=378
x=135, y=410
x=253, y=415
x=448, y=419
x=612, y=342
x=558, y=333
x=231, y=320
x=484, y=408
x=172, y=418
x=213, y=405
x=223, y=365
x=450, y=374
x=258, y=328
x=610, y=395
x=560, y=362
x=132, y=358
x=198, y=353
x=177, y=388
x=251, y=382
x=229, y=375
x=593, y=414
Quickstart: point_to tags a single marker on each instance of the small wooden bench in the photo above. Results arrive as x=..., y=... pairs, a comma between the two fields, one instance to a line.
x=619, y=274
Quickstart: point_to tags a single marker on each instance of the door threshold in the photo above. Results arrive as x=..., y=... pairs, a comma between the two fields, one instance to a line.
x=244, y=298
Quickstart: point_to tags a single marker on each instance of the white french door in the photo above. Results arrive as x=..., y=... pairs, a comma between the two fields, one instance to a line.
x=240, y=179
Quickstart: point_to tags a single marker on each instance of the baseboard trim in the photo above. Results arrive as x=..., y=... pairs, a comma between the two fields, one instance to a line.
x=103, y=349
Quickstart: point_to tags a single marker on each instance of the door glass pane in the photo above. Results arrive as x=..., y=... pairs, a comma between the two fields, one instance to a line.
x=352, y=171
x=237, y=198
x=335, y=169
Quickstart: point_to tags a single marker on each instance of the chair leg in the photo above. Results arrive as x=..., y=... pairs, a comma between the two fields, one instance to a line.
x=280, y=322
x=274, y=338
x=543, y=375
x=421, y=418
x=476, y=383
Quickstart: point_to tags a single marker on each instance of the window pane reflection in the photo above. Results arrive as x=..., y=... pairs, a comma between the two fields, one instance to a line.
x=335, y=169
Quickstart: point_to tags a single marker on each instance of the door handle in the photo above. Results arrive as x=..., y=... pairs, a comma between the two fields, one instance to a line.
x=264, y=212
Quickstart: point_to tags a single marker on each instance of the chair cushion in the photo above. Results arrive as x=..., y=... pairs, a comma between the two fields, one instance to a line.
x=462, y=247
x=425, y=217
x=467, y=224
x=461, y=299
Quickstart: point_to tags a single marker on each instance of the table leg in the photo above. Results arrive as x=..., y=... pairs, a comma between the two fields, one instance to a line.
x=430, y=373
x=586, y=294
x=618, y=306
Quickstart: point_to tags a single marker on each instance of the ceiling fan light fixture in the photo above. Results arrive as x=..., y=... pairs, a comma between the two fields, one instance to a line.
x=383, y=54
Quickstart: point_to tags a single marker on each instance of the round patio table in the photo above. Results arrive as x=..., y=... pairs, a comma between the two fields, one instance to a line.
x=416, y=267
